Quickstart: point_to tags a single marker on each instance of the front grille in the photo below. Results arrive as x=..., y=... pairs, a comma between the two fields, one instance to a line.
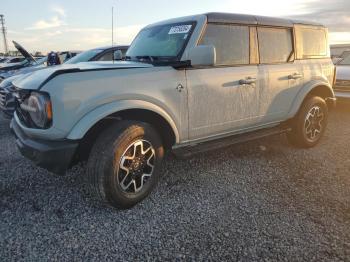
x=7, y=100
x=23, y=116
x=342, y=85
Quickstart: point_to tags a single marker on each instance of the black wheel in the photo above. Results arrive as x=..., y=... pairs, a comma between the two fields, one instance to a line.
x=124, y=163
x=309, y=126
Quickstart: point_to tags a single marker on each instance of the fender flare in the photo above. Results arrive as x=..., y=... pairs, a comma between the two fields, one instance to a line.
x=304, y=92
x=90, y=119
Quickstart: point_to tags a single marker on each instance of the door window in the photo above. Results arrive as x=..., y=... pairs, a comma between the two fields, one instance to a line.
x=275, y=45
x=230, y=41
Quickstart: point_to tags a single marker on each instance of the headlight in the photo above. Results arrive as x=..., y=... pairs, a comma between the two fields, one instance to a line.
x=39, y=108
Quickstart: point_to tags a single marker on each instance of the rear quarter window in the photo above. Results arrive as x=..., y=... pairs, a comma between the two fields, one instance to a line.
x=312, y=42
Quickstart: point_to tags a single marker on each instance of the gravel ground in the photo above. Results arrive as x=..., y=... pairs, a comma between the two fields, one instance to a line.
x=261, y=200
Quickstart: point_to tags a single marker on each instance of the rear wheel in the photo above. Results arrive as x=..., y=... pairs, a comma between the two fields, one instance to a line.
x=309, y=126
x=124, y=163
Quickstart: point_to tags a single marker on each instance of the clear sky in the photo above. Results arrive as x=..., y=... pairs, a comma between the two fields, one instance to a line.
x=44, y=25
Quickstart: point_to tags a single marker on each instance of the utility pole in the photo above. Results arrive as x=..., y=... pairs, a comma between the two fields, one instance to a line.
x=3, y=30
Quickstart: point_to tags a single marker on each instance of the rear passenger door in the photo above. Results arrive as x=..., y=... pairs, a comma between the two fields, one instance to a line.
x=281, y=77
x=224, y=98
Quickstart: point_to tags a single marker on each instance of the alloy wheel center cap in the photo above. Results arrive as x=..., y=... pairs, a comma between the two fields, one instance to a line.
x=137, y=164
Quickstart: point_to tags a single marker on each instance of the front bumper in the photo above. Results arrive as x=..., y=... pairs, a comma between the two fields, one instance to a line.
x=55, y=156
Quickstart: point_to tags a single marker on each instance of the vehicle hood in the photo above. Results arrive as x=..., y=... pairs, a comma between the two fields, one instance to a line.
x=7, y=83
x=343, y=72
x=24, y=52
x=38, y=78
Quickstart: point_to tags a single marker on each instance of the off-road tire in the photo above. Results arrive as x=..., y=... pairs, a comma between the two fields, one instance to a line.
x=104, y=162
x=298, y=136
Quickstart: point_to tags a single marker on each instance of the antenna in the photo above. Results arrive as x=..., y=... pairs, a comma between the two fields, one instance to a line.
x=112, y=26
x=113, y=31
x=3, y=30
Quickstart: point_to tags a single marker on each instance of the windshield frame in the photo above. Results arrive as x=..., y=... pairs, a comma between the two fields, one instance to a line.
x=176, y=58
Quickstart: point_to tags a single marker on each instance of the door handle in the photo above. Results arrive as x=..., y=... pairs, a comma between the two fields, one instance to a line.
x=295, y=76
x=247, y=81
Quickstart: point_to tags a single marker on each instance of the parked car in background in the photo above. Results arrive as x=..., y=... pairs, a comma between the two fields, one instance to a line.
x=342, y=84
x=98, y=54
x=189, y=85
x=11, y=61
x=3, y=59
x=7, y=100
x=18, y=62
x=66, y=55
x=40, y=63
x=6, y=88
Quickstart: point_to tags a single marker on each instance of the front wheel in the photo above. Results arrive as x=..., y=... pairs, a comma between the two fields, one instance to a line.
x=124, y=163
x=309, y=126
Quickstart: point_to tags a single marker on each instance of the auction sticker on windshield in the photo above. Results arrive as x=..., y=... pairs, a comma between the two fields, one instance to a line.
x=180, y=29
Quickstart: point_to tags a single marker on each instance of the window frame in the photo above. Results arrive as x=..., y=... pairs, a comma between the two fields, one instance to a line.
x=293, y=58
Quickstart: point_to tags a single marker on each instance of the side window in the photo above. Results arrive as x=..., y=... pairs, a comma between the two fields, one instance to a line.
x=231, y=43
x=124, y=52
x=107, y=56
x=311, y=42
x=275, y=45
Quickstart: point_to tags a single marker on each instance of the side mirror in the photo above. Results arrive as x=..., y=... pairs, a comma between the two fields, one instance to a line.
x=203, y=55
x=118, y=55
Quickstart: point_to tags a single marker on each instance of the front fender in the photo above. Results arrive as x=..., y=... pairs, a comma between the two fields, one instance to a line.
x=99, y=113
x=304, y=92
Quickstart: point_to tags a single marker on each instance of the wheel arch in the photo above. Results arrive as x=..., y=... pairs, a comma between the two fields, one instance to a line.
x=113, y=109
x=91, y=125
x=317, y=88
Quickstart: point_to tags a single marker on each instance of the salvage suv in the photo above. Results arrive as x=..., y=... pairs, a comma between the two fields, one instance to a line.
x=189, y=84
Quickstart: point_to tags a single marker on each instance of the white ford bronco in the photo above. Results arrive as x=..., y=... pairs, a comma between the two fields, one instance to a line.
x=187, y=85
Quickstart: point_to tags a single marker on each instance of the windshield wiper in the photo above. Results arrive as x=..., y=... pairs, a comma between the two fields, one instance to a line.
x=141, y=58
x=157, y=60
x=149, y=57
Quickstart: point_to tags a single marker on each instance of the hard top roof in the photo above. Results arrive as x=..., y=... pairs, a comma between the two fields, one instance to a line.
x=253, y=19
x=238, y=19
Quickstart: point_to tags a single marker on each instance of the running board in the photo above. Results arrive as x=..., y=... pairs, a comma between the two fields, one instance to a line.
x=188, y=151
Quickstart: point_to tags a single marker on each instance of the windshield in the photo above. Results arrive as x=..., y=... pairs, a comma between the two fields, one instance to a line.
x=163, y=41
x=84, y=56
